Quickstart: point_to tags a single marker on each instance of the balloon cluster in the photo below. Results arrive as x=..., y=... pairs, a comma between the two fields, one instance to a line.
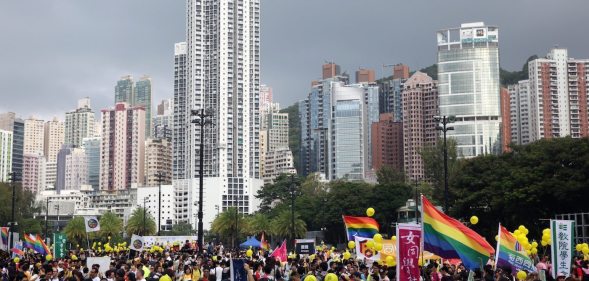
x=546, y=238
x=156, y=248
x=521, y=234
x=583, y=248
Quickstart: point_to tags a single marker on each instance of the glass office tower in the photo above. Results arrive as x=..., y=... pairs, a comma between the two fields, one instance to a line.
x=469, y=86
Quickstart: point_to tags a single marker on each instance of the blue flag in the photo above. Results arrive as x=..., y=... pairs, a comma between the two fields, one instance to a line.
x=237, y=270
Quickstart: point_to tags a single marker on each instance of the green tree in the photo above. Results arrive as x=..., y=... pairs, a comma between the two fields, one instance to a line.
x=388, y=175
x=282, y=224
x=30, y=225
x=25, y=208
x=141, y=223
x=75, y=230
x=229, y=225
x=277, y=192
x=180, y=229
x=257, y=223
x=110, y=225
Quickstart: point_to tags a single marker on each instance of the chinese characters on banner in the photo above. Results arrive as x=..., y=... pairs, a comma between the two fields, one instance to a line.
x=409, y=247
x=562, y=246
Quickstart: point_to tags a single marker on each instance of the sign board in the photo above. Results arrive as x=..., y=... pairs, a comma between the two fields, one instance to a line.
x=104, y=263
x=409, y=247
x=562, y=246
x=305, y=246
x=59, y=243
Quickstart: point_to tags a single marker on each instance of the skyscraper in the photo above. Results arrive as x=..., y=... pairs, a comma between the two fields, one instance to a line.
x=390, y=92
x=520, y=115
x=34, y=136
x=163, y=122
x=158, y=159
x=420, y=105
x=558, y=96
x=223, y=77
x=387, y=143
x=79, y=124
x=142, y=97
x=180, y=139
x=54, y=139
x=92, y=149
x=122, y=147
x=365, y=75
x=265, y=98
x=124, y=90
x=468, y=85
x=33, y=175
x=9, y=122
x=5, y=155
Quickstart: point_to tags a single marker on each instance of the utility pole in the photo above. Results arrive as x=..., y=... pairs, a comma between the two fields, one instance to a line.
x=292, y=217
x=203, y=119
x=144, y=215
x=445, y=120
x=14, y=177
x=160, y=179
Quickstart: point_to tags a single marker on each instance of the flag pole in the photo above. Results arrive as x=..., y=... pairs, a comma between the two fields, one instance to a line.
x=422, y=238
x=498, y=247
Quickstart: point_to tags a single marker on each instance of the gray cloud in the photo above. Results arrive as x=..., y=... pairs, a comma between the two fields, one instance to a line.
x=54, y=52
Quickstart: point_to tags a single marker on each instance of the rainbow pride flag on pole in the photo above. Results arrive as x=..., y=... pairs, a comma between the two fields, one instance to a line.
x=35, y=243
x=4, y=236
x=360, y=227
x=450, y=239
x=511, y=254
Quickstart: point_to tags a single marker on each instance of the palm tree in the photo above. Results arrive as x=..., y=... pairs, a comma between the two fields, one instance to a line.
x=75, y=230
x=281, y=225
x=110, y=225
x=140, y=224
x=228, y=224
x=257, y=223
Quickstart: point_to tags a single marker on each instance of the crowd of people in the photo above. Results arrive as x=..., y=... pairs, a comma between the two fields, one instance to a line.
x=214, y=264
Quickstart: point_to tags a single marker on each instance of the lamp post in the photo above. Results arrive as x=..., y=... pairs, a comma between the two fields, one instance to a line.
x=159, y=179
x=203, y=119
x=444, y=120
x=14, y=177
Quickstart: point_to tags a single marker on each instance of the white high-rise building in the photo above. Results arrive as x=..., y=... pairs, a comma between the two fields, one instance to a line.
x=558, y=96
x=5, y=154
x=223, y=76
x=54, y=138
x=34, y=136
x=76, y=169
x=180, y=113
x=520, y=114
x=469, y=87
x=79, y=124
x=33, y=177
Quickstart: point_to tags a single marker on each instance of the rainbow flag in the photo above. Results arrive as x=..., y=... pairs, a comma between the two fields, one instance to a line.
x=263, y=243
x=35, y=243
x=4, y=236
x=510, y=253
x=451, y=239
x=360, y=227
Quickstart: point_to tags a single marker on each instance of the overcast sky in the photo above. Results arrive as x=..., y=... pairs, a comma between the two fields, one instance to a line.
x=53, y=52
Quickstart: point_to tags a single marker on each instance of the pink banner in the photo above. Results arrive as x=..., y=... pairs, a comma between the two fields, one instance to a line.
x=408, y=245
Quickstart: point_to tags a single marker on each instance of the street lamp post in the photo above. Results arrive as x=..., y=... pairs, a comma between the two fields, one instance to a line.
x=444, y=120
x=159, y=179
x=144, y=215
x=14, y=177
x=203, y=119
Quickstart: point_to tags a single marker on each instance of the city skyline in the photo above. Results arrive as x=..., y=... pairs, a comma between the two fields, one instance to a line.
x=60, y=70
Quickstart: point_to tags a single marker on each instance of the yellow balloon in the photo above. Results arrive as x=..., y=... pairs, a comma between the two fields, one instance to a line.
x=370, y=212
x=377, y=238
x=378, y=246
x=579, y=247
x=526, y=231
x=389, y=260
x=347, y=255
x=521, y=275
x=546, y=231
x=534, y=251
x=351, y=244
x=330, y=277
x=496, y=237
x=311, y=258
x=534, y=244
x=16, y=260
x=394, y=238
x=521, y=228
x=249, y=253
x=474, y=220
x=543, y=243
x=370, y=244
x=517, y=233
x=585, y=251
x=310, y=277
